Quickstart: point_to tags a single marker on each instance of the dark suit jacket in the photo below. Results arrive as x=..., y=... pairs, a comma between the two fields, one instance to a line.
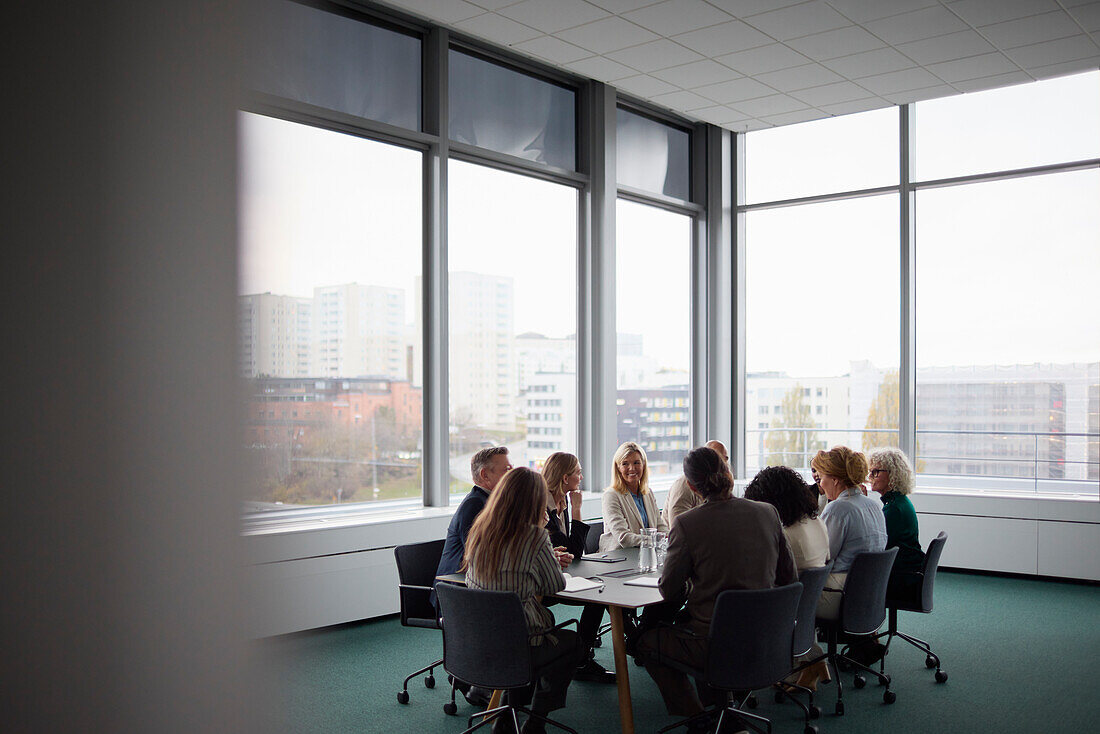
x=720, y=545
x=454, y=548
x=565, y=532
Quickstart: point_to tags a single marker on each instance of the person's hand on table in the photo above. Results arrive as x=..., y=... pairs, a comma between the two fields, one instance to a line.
x=564, y=557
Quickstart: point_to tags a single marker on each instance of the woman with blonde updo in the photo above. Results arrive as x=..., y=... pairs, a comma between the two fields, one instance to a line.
x=853, y=519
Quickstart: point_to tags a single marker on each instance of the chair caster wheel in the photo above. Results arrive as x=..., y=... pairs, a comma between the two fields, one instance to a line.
x=941, y=677
x=810, y=729
x=815, y=712
x=429, y=682
x=450, y=708
x=930, y=662
x=859, y=681
x=402, y=696
x=751, y=703
x=889, y=696
x=839, y=708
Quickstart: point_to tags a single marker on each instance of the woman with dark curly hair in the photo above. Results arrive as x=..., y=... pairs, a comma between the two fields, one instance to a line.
x=782, y=488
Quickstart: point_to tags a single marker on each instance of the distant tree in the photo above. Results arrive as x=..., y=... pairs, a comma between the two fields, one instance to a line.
x=791, y=447
x=884, y=413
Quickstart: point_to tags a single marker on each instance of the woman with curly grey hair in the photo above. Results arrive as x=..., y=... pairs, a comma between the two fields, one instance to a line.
x=892, y=477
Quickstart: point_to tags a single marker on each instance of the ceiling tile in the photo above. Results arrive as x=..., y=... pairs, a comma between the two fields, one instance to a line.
x=862, y=11
x=838, y=42
x=1088, y=16
x=985, y=12
x=934, y=21
x=851, y=108
x=553, y=49
x=682, y=100
x=899, y=81
x=443, y=11
x=609, y=34
x=623, y=6
x=917, y=95
x=736, y=90
x=993, y=81
x=1054, y=52
x=1069, y=67
x=644, y=85
x=718, y=115
x=1035, y=29
x=696, y=74
x=659, y=54
x=493, y=4
x=555, y=16
x=799, y=77
x=793, y=118
x=831, y=94
x=946, y=48
x=677, y=16
x=602, y=68
x=800, y=20
x=498, y=29
x=867, y=63
x=745, y=8
x=772, y=57
x=724, y=38
x=775, y=104
x=973, y=67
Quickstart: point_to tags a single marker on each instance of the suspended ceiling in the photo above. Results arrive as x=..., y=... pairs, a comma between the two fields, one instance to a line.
x=753, y=64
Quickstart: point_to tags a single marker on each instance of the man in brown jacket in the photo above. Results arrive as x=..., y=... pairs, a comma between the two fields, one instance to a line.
x=725, y=543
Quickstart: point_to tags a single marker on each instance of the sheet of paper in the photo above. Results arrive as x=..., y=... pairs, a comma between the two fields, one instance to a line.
x=650, y=581
x=580, y=583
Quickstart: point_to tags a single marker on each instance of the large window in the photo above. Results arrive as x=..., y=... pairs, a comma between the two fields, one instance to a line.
x=330, y=253
x=1008, y=333
x=653, y=324
x=512, y=244
x=822, y=318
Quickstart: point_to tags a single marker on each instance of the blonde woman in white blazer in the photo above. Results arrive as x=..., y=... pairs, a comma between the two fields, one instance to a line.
x=622, y=517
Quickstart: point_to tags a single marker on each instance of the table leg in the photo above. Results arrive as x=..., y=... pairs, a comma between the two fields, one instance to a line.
x=622, y=675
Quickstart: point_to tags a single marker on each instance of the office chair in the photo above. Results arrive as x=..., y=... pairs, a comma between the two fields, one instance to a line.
x=485, y=644
x=592, y=542
x=416, y=567
x=813, y=581
x=922, y=605
x=862, y=612
x=749, y=647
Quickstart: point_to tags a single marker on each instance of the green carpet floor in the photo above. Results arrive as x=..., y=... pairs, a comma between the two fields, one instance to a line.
x=1020, y=654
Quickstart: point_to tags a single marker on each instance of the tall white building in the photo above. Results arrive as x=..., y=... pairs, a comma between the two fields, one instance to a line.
x=274, y=333
x=549, y=404
x=537, y=353
x=358, y=331
x=482, y=363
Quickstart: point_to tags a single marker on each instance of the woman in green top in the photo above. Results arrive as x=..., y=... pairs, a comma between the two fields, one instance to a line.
x=892, y=478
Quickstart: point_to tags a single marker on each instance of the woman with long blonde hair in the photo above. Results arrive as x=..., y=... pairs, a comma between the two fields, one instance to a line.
x=509, y=550
x=628, y=504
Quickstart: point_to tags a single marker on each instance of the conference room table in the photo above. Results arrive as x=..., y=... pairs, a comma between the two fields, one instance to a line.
x=616, y=595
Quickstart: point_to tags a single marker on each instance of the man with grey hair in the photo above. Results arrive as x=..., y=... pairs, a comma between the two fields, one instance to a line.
x=681, y=498
x=487, y=466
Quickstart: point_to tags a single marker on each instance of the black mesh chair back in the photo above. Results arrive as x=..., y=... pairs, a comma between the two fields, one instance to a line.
x=750, y=637
x=931, y=564
x=863, y=606
x=484, y=637
x=592, y=542
x=813, y=582
x=416, y=567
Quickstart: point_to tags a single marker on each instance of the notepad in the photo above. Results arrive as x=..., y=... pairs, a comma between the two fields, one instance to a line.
x=650, y=581
x=579, y=583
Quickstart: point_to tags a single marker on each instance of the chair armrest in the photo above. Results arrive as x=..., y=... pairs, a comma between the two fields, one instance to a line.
x=414, y=587
x=566, y=623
